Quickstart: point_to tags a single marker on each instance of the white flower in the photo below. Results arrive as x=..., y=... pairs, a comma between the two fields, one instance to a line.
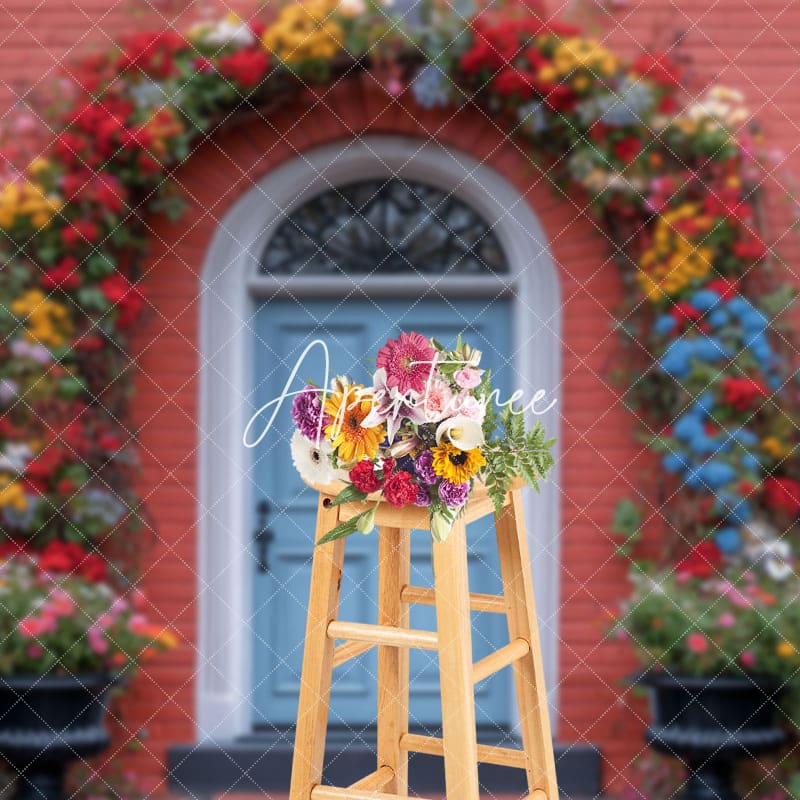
x=463, y=432
x=230, y=30
x=352, y=8
x=777, y=559
x=312, y=462
x=15, y=457
x=440, y=527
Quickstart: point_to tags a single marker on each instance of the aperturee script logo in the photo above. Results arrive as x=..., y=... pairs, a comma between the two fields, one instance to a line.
x=422, y=434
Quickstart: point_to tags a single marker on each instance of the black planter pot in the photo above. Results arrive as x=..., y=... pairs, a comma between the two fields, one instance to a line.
x=47, y=721
x=710, y=724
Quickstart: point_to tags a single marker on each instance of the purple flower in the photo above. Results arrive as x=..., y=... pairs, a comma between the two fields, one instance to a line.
x=453, y=495
x=423, y=496
x=423, y=466
x=307, y=413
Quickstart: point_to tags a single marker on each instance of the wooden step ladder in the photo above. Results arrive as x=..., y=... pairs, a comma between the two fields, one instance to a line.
x=453, y=641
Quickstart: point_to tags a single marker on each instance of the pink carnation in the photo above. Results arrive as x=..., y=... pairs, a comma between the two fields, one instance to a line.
x=408, y=361
x=468, y=377
x=437, y=400
x=726, y=620
x=747, y=659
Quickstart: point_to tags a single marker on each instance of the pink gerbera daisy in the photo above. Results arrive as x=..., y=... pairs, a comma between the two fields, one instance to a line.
x=408, y=361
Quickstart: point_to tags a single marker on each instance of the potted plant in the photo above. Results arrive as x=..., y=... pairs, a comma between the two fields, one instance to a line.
x=719, y=655
x=68, y=639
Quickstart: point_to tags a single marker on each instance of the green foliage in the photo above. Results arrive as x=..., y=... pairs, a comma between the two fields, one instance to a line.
x=518, y=453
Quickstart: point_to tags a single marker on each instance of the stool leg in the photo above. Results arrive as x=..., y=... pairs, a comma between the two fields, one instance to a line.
x=455, y=665
x=393, y=574
x=534, y=720
x=315, y=683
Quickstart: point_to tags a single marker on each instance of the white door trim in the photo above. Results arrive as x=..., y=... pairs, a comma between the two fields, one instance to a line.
x=230, y=286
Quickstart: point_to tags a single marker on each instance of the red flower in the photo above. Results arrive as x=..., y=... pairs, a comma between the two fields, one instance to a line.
x=684, y=313
x=741, y=393
x=750, y=249
x=783, y=494
x=627, y=149
x=560, y=98
x=513, y=82
x=81, y=231
x=726, y=288
x=152, y=53
x=247, y=67
x=667, y=104
x=93, y=568
x=45, y=464
x=399, y=489
x=88, y=344
x=364, y=478
x=659, y=68
x=64, y=275
x=701, y=561
x=69, y=557
x=126, y=298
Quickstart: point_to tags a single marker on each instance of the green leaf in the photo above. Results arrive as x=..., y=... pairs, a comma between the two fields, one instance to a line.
x=343, y=529
x=348, y=495
x=627, y=519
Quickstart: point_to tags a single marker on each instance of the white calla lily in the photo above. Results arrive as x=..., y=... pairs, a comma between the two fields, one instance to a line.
x=461, y=431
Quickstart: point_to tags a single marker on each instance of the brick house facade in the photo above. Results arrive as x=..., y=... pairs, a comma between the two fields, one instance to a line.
x=752, y=47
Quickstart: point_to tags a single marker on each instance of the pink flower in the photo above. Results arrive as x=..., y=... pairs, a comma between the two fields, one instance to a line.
x=697, y=643
x=34, y=651
x=468, y=377
x=97, y=640
x=408, y=361
x=726, y=620
x=137, y=622
x=747, y=659
x=60, y=604
x=30, y=627
x=436, y=402
x=105, y=621
x=467, y=405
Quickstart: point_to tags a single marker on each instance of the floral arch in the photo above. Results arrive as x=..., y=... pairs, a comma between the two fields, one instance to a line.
x=672, y=184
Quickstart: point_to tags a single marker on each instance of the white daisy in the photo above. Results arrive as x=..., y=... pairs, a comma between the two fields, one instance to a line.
x=312, y=462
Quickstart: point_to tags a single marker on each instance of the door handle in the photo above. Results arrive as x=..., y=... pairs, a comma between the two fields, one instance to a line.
x=263, y=537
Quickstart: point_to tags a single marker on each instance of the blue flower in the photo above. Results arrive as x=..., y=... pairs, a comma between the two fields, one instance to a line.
x=664, y=324
x=705, y=402
x=718, y=317
x=675, y=360
x=431, y=87
x=715, y=474
x=728, y=540
x=753, y=321
x=532, y=118
x=674, y=462
x=745, y=437
x=738, y=306
x=749, y=461
x=709, y=348
x=687, y=427
x=705, y=299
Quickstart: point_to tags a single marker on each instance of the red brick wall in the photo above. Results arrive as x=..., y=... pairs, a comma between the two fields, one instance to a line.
x=750, y=46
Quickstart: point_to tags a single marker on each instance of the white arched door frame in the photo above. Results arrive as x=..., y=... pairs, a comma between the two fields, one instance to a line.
x=231, y=289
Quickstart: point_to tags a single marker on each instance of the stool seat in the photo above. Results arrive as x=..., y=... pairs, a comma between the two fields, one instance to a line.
x=452, y=640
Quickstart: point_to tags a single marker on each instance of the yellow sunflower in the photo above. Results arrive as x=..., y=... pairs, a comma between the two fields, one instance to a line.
x=457, y=466
x=347, y=409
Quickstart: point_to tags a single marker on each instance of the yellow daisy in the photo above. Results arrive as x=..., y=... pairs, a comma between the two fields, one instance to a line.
x=457, y=466
x=347, y=410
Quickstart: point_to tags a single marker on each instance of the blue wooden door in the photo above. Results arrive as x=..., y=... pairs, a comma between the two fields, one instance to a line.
x=354, y=330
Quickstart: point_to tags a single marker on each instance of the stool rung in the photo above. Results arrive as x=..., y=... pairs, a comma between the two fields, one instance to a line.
x=344, y=652
x=375, y=780
x=336, y=793
x=494, y=662
x=383, y=635
x=491, y=603
x=487, y=753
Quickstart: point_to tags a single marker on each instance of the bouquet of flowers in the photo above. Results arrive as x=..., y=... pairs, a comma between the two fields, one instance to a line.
x=421, y=435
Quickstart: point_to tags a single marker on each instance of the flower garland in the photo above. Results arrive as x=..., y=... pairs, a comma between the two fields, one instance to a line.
x=672, y=183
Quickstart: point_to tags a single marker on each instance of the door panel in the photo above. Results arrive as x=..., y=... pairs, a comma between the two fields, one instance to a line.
x=354, y=330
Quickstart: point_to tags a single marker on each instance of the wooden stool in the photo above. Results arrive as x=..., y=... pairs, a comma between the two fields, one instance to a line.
x=453, y=641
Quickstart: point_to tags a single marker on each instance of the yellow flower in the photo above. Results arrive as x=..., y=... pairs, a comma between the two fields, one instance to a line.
x=24, y=200
x=12, y=494
x=47, y=321
x=775, y=447
x=347, y=409
x=457, y=466
x=786, y=649
x=305, y=31
x=580, y=83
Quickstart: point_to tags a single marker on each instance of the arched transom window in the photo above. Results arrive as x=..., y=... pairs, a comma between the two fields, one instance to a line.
x=383, y=227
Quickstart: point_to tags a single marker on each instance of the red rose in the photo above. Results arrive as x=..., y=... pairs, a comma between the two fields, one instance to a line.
x=513, y=82
x=627, y=149
x=783, y=494
x=81, y=231
x=247, y=67
x=59, y=557
x=93, y=568
x=126, y=298
x=701, y=561
x=364, y=478
x=726, y=288
x=399, y=489
x=742, y=393
x=64, y=275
